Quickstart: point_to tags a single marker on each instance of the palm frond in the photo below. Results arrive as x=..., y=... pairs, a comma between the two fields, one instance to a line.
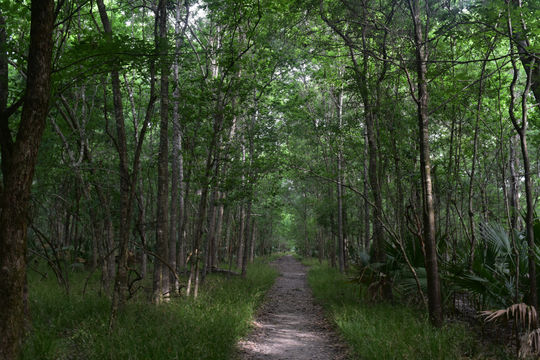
x=496, y=238
x=523, y=313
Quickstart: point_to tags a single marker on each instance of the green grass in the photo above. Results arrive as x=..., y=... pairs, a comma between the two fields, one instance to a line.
x=76, y=327
x=386, y=331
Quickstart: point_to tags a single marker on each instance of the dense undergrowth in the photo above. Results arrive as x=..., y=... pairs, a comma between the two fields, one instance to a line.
x=390, y=331
x=76, y=326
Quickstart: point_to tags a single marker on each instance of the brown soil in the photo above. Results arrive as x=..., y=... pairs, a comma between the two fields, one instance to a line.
x=290, y=325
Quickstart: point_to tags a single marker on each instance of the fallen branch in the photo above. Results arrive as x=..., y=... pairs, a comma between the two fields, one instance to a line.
x=214, y=269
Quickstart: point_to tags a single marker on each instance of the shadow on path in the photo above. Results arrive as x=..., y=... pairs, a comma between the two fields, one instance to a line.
x=289, y=324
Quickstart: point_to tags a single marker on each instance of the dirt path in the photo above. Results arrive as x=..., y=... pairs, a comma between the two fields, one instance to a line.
x=290, y=325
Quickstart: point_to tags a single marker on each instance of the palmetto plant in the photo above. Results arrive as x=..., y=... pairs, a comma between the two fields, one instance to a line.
x=497, y=276
x=401, y=260
x=524, y=314
x=525, y=318
x=372, y=275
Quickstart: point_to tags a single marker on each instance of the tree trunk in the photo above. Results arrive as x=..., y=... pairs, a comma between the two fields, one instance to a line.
x=240, y=245
x=199, y=228
x=367, y=231
x=514, y=184
x=432, y=269
x=182, y=230
x=219, y=230
x=177, y=178
x=211, y=225
x=247, y=235
x=529, y=220
x=341, y=239
x=120, y=286
x=18, y=164
x=127, y=180
x=398, y=179
x=161, y=272
x=521, y=128
x=252, y=242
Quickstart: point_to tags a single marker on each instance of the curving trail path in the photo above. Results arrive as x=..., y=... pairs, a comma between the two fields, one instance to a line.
x=289, y=324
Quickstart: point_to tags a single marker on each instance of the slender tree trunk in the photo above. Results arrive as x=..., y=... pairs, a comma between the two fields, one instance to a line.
x=199, y=228
x=120, y=286
x=176, y=206
x=141, y=228
x=398, y=180
x=226, y=254
x=332, y=244
x=176, y=241
x=161, y=272
x=432, y=269
x=109, y=257
x=182, y=243
x=366, y=202
x=127, y=180
x=307, y=249
x=18, y=163
x=514, y=183
x=219, y=230
x=247, y=234
x=252, y=241
x=341, y=239
x=211, y=225
x=521, y=128
x=529, y=222
x=240, y=245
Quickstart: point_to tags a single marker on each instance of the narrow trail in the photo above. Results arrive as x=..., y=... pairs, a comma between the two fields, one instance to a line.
x=290, y=325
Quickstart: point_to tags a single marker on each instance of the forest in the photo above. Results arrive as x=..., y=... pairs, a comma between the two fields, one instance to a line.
x=158, y=156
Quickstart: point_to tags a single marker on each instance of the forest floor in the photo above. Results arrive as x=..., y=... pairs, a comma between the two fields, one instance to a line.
x=289, y=324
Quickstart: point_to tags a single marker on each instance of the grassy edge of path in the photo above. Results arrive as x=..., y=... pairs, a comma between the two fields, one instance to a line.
x=75, y=327
x=380, y=331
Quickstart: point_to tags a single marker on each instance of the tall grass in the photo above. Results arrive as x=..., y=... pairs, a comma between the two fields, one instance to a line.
x=76, y=327
x=389, y=331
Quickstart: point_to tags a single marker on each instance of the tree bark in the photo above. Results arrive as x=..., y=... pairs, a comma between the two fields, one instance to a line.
x=366, y=229
x=514, y=184
x=18, y=163
x=161, y=272
x=176, y=241
x=432, y=269
x=341, y=239
x=211, y=226
x=240, y=242
x=521, y=128
x=247, y=238
x=127, y=179
x=219, y=230
x=252, y=249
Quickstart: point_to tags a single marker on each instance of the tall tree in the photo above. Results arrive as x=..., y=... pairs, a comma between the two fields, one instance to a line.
x=19, y=157
x=176, y=231
x=128, y=179
x=521, y=126
x=161, y=272
x=428, y=210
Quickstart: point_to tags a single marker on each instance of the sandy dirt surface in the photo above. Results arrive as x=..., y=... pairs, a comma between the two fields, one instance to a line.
x=290, y=325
